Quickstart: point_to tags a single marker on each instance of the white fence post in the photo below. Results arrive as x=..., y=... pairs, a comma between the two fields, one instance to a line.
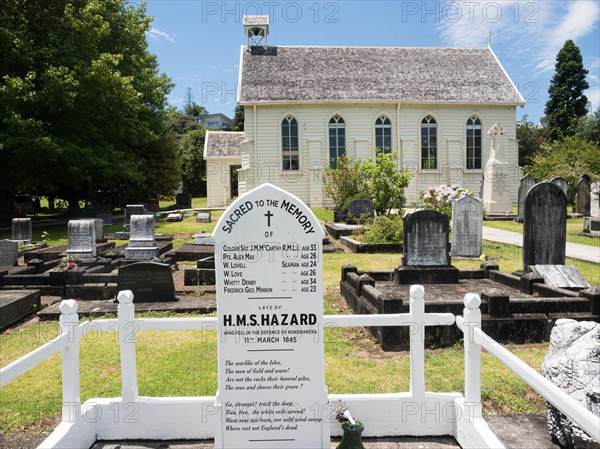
x=417, y=341
x=127, y=338
x=69, y=353
x=472, y=320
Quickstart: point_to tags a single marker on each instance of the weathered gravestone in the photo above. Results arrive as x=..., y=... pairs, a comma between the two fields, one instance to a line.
x=204, y=217
x=174, y=217
x=81, y=235
x=426, y=257
x=527, y=182
x=562, y=183
x=360, y=208
x=9, y=253
x=583, y=197
x=561, y=276
x=149, y=281
x=21, y=229
x=99, y=229
x=131, y=210
x=272, y=390
x=545, y=226
x=591, y=224
x=142, y=244
x=467, y=227
x=183, y=200
x=106, y=218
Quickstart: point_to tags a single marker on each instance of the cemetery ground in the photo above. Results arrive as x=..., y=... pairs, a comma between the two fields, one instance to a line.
x=184, y=363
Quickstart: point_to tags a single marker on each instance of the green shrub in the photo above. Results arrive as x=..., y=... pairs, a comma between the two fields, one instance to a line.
x=382, y=229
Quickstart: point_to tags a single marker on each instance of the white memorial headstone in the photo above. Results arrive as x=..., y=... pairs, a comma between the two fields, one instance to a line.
x=467, y=227
x=496, y=193
x=272, y=392
x=81, y=236
x=142, y=243
x=21, y=229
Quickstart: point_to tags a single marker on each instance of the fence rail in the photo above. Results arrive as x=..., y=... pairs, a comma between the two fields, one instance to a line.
x=471, y=434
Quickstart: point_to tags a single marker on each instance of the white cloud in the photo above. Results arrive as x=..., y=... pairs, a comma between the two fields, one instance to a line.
x=534, y=31
x=580, y=19
x=157, y=35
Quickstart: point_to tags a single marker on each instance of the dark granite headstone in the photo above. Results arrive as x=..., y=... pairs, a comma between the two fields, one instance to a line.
x=9, y=253
x=545, y=226
x=183, y=200
x=149, y=281
x=106, y=218
x=204, y=217
x=426, y=239
x=583, y=197
x=361, y=207
x=527, y=182
x=130, y=210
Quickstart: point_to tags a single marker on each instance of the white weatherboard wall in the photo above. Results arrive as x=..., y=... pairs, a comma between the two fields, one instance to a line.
x=218, y=180
x=263, y=149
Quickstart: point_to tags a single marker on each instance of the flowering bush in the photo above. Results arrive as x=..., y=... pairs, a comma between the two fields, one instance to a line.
x=69, y=262
x=440, y=198
x=378, y=179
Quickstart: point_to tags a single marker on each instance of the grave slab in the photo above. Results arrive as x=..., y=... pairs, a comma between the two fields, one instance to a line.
x=561, y=276
x=16, y=305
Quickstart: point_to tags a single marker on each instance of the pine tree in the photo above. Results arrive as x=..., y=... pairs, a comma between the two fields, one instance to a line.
x=238, y=119
x=567, y=102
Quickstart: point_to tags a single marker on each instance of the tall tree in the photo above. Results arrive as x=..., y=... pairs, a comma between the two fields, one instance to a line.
x=531, y=137
x=238, y=119
x=567, y=102
x=192, y=108
x=81, y=102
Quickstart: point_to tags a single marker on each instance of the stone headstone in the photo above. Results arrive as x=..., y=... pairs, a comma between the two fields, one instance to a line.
x=426, y=239
x=183, y=200
x=204, y=217
x=130, y=210
x=270, y=311
x=496, y=193
x=81, y=236
x=106, y=218
x=142, y=244
x=99, y=229
x=562, y=183
x=595, y=199
x=9, y=253
x=591, y=224
x=21, y=229
x=175, y=217
x=561, y=276
x=204, y=239
x=527, y=182
x=149, y=281
x=545, y=226
x=361, y=207
x=572, y=365
x=583, y=197
x=467, y=227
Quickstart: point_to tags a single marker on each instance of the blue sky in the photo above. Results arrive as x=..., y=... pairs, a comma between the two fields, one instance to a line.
x=198, y=42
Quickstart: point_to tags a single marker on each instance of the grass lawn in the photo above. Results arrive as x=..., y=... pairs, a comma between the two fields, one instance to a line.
x=573, y=226
x=184, y=363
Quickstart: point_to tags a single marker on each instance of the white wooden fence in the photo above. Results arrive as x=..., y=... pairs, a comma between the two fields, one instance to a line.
x=416, y=412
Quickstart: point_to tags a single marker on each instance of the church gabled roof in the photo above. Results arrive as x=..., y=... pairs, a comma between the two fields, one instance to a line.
x=374, y=74
x=223, y=144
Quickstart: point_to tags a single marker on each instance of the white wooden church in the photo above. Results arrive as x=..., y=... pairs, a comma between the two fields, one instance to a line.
x=306, y=106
